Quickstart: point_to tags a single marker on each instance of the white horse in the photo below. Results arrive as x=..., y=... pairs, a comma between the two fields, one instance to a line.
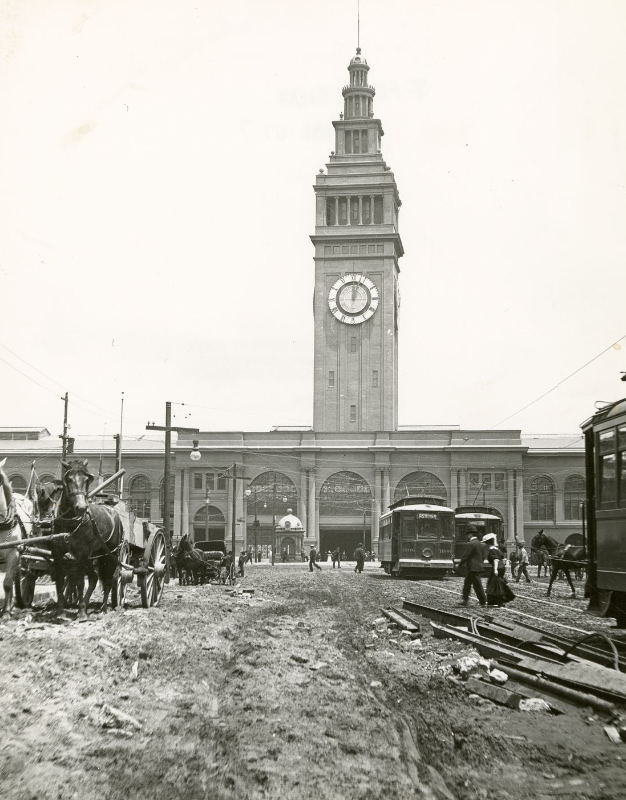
x=16, y=516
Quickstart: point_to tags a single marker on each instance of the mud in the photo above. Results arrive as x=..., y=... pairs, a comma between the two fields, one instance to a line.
x=290, y=692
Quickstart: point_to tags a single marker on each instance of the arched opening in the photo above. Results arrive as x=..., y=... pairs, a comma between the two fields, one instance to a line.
x=420, y=484
x=18, y=484
x=270, y=495
x=209, y=524
x=345, y=513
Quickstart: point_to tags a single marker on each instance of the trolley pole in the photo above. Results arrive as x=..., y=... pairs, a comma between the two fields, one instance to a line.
x=167, y=469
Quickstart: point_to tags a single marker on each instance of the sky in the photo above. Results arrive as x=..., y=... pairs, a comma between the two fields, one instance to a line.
x=156, y=169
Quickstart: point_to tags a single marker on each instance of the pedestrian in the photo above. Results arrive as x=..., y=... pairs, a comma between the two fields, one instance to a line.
x=259, y=555
x=523, y=563
x=472, y=561
x=513, y=559
x=336, y=558
x=283, y=555
x=241, y=561
x=302, y=555
x=312, y=559
x=498, y=590
x=359, y=557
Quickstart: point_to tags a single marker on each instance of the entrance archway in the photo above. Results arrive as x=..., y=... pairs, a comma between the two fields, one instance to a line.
x=345, y=513
x=211, y=528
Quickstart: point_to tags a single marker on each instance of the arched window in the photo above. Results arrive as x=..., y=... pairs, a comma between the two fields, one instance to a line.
x=345, y=494
x=574, y=496
x=18, y=484
x=542, y=497
x=420, y=484
x=139, y=496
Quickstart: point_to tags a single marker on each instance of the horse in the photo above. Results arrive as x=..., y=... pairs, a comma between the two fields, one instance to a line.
x=564, y=557
x=196, y=562
x=180, y=560
x=94, y=533
x=540, y=558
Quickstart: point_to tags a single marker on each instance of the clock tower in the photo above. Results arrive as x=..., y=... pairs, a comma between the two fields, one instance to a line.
x=357, y=247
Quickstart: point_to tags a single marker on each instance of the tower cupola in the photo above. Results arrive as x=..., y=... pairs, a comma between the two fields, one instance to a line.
x=358, y=96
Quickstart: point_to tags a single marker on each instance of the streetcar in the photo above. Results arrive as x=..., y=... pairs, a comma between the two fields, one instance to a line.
x=484, y=518
x=605, y=511
x=416, y=537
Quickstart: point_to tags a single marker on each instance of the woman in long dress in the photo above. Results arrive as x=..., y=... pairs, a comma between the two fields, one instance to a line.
x=498, y=590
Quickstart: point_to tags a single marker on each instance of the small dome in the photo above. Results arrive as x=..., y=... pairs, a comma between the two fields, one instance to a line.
x=290, y=522
x=358, y=58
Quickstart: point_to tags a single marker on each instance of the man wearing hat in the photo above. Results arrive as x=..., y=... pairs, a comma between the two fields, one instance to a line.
x=312, y=559
x=523, y=563
x=473, y=561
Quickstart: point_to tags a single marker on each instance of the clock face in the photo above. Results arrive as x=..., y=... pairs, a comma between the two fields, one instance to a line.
x=353, y=299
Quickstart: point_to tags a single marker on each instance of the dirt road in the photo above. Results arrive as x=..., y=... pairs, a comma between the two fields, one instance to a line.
x=287, y=693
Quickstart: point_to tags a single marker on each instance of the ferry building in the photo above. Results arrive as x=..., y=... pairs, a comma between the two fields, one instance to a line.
x=328, y=484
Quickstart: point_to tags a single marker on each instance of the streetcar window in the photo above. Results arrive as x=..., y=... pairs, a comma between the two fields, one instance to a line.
x=622, y=479
x=607, y=441
x=621, y=437
x=428, y=528
x=608, y=479
x=409, y=526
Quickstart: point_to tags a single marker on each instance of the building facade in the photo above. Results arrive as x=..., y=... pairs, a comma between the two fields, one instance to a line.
x=340, y=475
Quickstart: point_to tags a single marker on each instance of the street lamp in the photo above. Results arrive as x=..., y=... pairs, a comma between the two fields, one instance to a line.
x=256, y=523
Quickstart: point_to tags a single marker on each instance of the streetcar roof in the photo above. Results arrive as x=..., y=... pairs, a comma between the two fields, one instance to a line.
x=608, y=412
x=476, y=516
x=416, y=507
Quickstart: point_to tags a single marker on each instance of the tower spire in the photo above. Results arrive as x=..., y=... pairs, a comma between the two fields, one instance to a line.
x=358, y=26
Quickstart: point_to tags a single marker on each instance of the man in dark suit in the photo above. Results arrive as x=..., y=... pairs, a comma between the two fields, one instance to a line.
x=473, y=562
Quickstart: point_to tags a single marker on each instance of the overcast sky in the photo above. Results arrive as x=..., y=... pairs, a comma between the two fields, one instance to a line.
x=156, y=169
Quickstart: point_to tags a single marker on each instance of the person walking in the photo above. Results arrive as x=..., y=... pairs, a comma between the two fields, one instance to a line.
x=312, y=559
x=523, y=563
x=241, y=561
x=359, y=557
x=498, y=590
x=513, y=559
x=472, y=560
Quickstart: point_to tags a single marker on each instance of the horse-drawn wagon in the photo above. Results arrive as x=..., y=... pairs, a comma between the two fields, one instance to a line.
x=74, y=537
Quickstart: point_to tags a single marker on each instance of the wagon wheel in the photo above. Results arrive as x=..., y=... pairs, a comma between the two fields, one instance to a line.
x=155, y=559
x=24, y=588
x=122, y=577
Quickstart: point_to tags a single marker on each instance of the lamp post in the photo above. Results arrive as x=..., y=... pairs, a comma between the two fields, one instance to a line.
x=582, y=514
x=207, y=501
x=256, y=523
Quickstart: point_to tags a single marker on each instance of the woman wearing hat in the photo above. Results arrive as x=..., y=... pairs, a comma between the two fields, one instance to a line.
x=498, y=590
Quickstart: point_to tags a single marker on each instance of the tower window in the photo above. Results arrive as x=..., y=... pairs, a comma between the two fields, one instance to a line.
x=354, y=211
x=375, y=379
x=331, y=379
x=364, y=141
x=353, y=344
x=348, y=142
x=330, y=212
x=356, y=142
x=378, y=210
x=352, y=413
x=343, y=210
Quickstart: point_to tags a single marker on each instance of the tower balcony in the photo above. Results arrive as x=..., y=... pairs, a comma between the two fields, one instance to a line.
x=358, y=90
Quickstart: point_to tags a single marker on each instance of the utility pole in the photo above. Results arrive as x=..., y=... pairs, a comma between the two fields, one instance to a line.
x=168, y=428
x=64, y=437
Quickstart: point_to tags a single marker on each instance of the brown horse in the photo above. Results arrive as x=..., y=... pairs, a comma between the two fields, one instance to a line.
x=565, y=557
x=94, y=533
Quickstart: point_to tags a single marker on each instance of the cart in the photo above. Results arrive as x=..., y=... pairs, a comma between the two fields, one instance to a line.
x=142, y=553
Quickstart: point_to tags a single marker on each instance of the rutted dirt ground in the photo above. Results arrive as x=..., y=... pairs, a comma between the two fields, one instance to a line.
x=288, y=693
